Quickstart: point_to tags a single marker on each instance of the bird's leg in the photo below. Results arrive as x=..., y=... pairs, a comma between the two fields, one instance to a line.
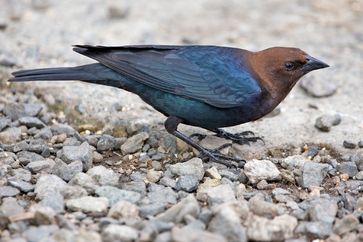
x=171, y=125
x=242, y=138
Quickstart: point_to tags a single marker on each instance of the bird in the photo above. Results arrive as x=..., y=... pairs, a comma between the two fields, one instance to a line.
x=207, y=86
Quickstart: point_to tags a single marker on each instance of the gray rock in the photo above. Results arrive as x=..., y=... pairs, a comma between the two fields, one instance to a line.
x=313, y=174
x=44, y=133
x=134, y=143
x=293, y=162
x=39, y=146
x=54, y=200
x=4, y=122
x=106, y=142
x=315, y=229
x=43, y=215
x=136, y=186
x=10, y=135
x=115, y=232
x=323, y=210
x=67, y=172
x=192, y=167
x=74, y=192
x=349, y=144
x=22, y=185
x=188, y=234
x=260, y=207
x=346, y=224
x=163, y=195
x=88, y=236
x=153, y=176
x=47, y=184
x=62, y=129
x=14, y=111
x=188, y=206
x=359, y=175
x=10, y=207
x=168, y=182
x=349, y=168
x=358, y=159
x=119, y=11
x=41, y=165
x=124, y=210
x=325, y=122
x=103, y=176
x=263, y=229
x=258, y=170
x=151, y=209
x=82, y=153
x=217, y=195
x=36, y=234
x=31, y=122
x=188, y=183
x=85, y=181
x=25, y=157
x=8, y=191
x=318, y=88
x=226, y=222
x=94, y=205
x=20, y=174
x=115, y=195
x=360, y=144
x=32, y=109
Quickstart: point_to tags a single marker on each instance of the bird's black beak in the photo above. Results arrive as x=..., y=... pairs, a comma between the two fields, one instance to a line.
x=313, y=64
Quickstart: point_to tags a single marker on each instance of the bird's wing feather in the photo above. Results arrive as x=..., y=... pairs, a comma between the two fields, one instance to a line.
x=209, y=74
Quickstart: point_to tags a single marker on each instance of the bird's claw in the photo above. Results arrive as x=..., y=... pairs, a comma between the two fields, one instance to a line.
x=241, y=138
x=215, y=156
x=198, y=136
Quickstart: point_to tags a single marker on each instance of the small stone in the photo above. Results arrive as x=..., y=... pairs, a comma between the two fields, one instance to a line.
x=22, y=185
x=94, y=205
x=25, y=157
x=8, y=191
x=87, y=236
x=134, y=143
x=262, y=208
x=168, y=182
x=74, y=192
x=57, y=139
x=35, y=234
x=226, y=222
x=323, y=210
x=151, y=209
x=31, y=122
x=313, y=174
x=162, y=195
x=263, y=229
x=54, y=200
x=115, y=195
x=153, y=176
x=360, y=144
x=85, y=181
x=82, y=153
x=357, y=158
x=349, y=168
x=188, y=206
x=188, y=183
x=115, y=232
x=106, y=142
x=217, y=195
x=47, y=184
x=20, y=174
x=119, y=12
x=359, y=175
x=67, y=172
x=188, y=234
x=325, y=122
x=43, y=215
x=97, y=157
x=14, y=111
x=10, y=207
x=349, y=145
x=103, y=176
x=124, y=210
x=257, y=170
x=318, y=88
x=191, y=167
x=4, y=122
x=41, y=165
x=213, y=173
x=10, y=135
x=62, y=129
x=346, y=224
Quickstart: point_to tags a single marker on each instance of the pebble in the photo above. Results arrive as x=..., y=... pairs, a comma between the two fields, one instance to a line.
x=81, y=153
x=188, y=183
x=119, y=12
x=10, y=207
x=25, y=157
x=134, y=143
x=188, y=206
x=22, y=185
x=313, y=174
x=4, y=122
x=36, y=234
x=213, y=173
x=360, y=144
x=325, y=122
x=188, y=234
x=115, y=195
x=318, y=88
x=106, y=142
x=48, y=184
x=162, y=195
x=94, y=205
x=348, y=223
x=357, y=158
x=31, y=122
x=216, y=195
x=323, y=210
x=85, y=181
x=226, y=222
x=258, y=170
x=349, y=145
x=192, y=167
x=54, y=200
x=263, y=229
x=10, y=135
x=8, y=191
x=66, y=172
x=122, y=233
x=74, y=192
x=62, y=129
x=124, y=210
x=151, y=209
x=41, y=165
x=103, y=176
x=349, y=168
x=153, y=176
x=258, y=206
x=20, y=174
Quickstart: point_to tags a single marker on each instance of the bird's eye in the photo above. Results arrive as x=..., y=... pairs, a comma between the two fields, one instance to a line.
x=289, y=66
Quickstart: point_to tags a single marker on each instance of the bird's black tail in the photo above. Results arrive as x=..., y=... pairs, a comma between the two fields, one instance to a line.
x=81, y=73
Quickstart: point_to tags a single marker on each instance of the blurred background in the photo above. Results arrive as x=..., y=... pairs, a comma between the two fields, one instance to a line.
x=40, y=33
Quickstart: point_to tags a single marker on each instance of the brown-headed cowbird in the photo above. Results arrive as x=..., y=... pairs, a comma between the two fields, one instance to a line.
x=205, y=86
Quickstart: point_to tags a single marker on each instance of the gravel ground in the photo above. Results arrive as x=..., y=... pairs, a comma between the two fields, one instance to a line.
x=100, y=167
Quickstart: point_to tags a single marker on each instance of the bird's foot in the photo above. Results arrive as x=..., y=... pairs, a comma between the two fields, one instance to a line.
x=198, y=136
x=241, y=138
x=216, y=156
